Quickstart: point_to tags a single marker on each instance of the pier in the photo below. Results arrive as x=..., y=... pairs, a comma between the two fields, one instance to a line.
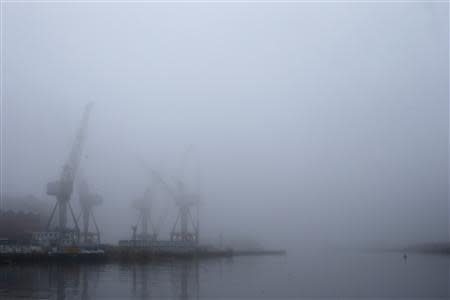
x=111, y=254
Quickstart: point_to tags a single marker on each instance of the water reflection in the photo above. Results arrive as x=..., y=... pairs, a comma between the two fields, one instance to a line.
x=176, y=280
x=186, y=280
x=39, y=280
x=331, y=275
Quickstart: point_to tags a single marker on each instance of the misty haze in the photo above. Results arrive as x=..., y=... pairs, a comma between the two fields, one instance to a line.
x=212, y=149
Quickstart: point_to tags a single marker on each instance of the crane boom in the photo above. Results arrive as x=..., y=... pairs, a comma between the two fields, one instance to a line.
x=154, y=175
x=73, y=160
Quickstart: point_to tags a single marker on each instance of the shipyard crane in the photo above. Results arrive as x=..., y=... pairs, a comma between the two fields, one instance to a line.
x=62, y=189
x=87, y=201
x=199, y=200
x=185, y=201
x=144, y=205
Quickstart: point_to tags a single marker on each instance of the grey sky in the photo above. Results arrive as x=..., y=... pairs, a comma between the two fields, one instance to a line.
x=312, y=122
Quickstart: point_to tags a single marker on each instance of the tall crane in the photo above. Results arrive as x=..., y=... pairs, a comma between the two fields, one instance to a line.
x=87, y=202
x=144, y=205
x=62, y=189
x=184, y=200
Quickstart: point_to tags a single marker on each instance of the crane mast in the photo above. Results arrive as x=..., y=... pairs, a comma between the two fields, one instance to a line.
x=144, y=205
x=88, y=201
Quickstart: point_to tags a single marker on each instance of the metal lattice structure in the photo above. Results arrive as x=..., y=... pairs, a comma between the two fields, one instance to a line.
x=144, y=206
x=185, y=227
x=88, y=201
x=62, y=189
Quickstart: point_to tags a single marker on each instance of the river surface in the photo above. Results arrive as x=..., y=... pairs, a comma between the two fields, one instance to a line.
x=299, y=274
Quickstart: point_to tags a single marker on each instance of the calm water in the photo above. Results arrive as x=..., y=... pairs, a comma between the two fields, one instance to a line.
x=305, y=274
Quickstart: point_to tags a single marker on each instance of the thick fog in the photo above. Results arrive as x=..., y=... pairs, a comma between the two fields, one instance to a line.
x=310, y=123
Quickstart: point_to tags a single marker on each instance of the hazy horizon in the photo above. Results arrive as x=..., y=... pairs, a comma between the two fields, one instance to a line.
x=311, y=123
